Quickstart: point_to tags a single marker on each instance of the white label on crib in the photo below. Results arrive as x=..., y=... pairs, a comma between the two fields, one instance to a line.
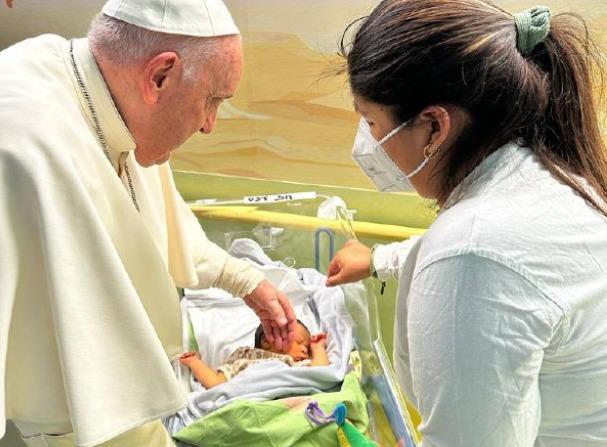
x=205, y=202
x=287, y=197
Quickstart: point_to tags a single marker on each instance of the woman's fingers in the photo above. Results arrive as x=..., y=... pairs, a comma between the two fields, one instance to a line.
x=336, y=279
x=352, y=263
x=334, y=271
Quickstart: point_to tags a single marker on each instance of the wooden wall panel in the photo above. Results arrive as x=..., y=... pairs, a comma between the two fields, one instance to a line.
x=291, y=119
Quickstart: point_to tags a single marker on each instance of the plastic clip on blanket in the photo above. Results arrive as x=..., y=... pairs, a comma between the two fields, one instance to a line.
x=347, y=434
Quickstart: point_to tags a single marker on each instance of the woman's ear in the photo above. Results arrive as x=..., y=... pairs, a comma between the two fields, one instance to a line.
x=439, y=122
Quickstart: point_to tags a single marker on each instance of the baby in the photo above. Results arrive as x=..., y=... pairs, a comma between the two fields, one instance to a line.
x=303, y=351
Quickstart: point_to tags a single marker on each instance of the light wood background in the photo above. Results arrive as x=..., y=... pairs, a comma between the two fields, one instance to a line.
x=292, y=120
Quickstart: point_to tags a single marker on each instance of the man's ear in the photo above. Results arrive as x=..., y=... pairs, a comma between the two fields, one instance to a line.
x=159, y=73
x=439, y=120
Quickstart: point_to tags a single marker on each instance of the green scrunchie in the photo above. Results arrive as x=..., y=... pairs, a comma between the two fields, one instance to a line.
x=532, y=27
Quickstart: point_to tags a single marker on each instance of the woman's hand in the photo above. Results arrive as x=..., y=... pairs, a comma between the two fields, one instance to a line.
x=352, y=263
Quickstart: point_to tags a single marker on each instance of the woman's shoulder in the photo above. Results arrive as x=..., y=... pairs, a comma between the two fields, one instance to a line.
x=495, y=231
x=548, y=236
x=470, y=226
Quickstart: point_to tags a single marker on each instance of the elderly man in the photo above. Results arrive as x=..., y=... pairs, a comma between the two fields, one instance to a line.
x=94, y=236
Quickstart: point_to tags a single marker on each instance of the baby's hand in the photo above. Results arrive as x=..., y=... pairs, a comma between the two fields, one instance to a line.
x=318, y=341
x=189, y=357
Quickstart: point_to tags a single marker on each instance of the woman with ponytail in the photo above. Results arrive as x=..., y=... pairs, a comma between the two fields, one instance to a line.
x=501, y=325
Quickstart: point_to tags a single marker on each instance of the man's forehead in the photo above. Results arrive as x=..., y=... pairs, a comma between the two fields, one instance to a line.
x=224, y=76
x=221, y=86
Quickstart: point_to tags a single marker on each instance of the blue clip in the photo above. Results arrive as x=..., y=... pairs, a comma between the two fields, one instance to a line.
x=340, y=414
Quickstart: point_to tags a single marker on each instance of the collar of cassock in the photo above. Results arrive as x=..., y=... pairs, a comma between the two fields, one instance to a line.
x=117, y=135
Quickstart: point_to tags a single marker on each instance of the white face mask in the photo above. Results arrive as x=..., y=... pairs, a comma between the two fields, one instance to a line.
x=370, y=155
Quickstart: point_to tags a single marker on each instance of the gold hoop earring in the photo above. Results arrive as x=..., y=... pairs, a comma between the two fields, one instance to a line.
x=429, y=155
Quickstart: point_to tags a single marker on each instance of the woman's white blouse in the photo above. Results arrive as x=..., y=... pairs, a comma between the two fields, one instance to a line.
x=501, y=324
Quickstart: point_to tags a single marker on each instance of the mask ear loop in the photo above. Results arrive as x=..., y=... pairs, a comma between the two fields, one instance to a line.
x=394, y=132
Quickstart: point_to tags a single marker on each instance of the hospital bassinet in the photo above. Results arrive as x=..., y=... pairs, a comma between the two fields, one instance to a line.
x=287, y=227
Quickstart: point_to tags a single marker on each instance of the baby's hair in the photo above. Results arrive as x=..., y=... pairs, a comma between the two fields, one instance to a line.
x=259, y=334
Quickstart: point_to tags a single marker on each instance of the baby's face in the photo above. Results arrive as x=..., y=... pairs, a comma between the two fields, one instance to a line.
x=300, y=347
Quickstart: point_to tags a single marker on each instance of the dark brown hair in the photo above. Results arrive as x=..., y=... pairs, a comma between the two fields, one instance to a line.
x=411, y=54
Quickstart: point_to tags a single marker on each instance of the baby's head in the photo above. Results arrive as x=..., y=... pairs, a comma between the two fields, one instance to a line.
x=299, y=348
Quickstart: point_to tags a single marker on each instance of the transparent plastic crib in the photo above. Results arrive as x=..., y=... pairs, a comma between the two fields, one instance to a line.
x=288, y=229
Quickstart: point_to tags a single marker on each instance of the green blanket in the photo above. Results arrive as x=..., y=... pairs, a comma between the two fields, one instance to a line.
x=277, y=423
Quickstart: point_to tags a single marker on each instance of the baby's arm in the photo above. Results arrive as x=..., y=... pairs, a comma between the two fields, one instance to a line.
x=205, y=375
x=318, y=350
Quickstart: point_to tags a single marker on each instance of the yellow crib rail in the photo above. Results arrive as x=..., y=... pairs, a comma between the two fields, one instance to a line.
x=254, y=214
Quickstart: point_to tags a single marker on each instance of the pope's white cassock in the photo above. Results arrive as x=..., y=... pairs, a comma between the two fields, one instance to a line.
x=89, y=315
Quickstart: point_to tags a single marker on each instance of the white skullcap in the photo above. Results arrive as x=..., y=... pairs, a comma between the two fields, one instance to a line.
x=200, y=18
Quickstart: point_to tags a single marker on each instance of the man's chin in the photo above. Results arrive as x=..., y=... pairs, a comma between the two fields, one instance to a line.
x=164, y=159
x=146, y=162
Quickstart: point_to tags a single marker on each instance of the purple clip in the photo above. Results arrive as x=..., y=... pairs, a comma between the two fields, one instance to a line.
x=317, y=416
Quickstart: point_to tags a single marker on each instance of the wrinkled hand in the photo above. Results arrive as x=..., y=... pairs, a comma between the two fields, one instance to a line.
x=188, y=357
x=9, y=3
x=276, y=314
x=352, y=263
x=318, y=341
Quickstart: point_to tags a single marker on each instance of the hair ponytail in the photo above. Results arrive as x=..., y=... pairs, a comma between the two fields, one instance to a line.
x=568, y=139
